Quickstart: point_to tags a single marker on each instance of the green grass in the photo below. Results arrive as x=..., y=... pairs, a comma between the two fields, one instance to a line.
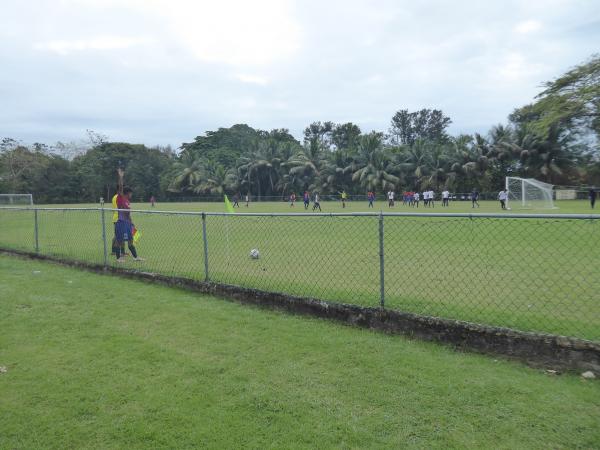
x=533, y=275
x=103, y=362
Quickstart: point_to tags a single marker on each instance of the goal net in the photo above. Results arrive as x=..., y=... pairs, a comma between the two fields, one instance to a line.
x=528, y=193
x=16, y=199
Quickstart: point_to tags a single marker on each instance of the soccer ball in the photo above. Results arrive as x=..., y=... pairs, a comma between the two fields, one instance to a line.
x=254, y=254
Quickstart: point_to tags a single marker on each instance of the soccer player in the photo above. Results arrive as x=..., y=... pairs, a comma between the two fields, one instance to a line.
x=306, y=199
x=247, y=199
x=445, y=197
x=425, y=199
x=502, y=196
x=475, y=198
x=416, y=198
x=371, y=198
x=344, y=197
x=432, y=198
x=316, y=202
x=292, y=199
x=124, y=227
x=390, y=196
x=153, y=201
x=592, y=196
x=236, y=200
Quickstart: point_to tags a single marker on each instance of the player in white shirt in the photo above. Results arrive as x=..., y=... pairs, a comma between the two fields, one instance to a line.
x=426, y=198
x=503, y=196
x=445, y=198
x=390, y=199
x=432, y=198
x=317, y=202
x=416, y=198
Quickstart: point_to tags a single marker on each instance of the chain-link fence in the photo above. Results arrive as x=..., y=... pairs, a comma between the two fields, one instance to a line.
x=527, y=272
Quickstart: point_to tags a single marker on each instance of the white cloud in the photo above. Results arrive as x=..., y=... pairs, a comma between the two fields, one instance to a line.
x=64, y=47
x=233, y=32
x=515, y=67
x=528, y=26
x=252, y=79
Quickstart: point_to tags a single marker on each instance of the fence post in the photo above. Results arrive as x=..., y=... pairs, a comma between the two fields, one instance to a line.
x=381, y=264
x=102, y=215
x=37, y=239
x=205, y=240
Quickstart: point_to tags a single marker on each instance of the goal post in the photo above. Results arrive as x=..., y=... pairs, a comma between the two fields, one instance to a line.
x=16, y=199
x=529, y=193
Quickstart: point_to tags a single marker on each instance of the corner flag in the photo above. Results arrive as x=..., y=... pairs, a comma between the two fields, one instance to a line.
x=228, y=206
x=137, y=234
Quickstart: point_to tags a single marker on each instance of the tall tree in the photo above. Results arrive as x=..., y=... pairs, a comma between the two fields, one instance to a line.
x=346, y=137
x=570, y=103
x=426, y=124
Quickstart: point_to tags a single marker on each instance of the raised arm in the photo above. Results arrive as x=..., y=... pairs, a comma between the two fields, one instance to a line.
x=121, y=175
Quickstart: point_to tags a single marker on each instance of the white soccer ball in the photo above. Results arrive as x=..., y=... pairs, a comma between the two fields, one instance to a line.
x=254, y=253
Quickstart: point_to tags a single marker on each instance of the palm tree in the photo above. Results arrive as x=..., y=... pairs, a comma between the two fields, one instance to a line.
x=414, y=160
x=190, y=171
x=255, y=169
x=336, y=173
x=477, y=156
x=438, y=163
x=305, y=166
x=373, y=167
x=216, y=180
x=501, y=140
x=526, y=147
x=552, y=159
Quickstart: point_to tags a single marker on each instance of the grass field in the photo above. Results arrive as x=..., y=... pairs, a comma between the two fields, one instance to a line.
x=101, y=362
x=527, y=274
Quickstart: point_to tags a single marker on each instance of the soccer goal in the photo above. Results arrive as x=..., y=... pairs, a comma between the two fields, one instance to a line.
x=16, y=199
x=528, y=193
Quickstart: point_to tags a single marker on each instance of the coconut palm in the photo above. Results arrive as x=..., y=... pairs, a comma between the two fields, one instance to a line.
x=336, y=174
x=189, y=170
x=551, y=160
x=305, y=166
x=216, y=180
x=438, y=165
x=373, y=168
x=414, y=161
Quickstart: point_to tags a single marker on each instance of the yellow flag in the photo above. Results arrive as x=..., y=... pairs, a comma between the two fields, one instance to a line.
x=137, y=234
x=228, y=205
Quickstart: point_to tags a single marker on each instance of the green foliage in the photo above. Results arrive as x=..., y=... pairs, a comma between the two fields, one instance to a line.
x=96, y=170
x=48, y=177
x=426, y=124
x=569, y=106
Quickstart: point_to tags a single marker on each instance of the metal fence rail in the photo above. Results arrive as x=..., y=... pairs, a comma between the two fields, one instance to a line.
x=528, y=272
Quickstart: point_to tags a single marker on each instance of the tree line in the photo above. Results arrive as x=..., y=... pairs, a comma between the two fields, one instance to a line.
x=554, y=139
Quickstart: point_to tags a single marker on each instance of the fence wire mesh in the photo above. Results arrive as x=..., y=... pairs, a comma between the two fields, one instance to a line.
x=170, y=244
x=333, y=258
x=532, y=274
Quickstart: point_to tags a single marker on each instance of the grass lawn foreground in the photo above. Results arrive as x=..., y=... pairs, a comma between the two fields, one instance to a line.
x=101, y=362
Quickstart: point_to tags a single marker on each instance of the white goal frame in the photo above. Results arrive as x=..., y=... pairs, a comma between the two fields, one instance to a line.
x=8, y=199
x=545, y=189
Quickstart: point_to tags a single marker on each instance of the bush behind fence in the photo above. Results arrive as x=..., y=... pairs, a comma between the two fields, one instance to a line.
x=531, y=273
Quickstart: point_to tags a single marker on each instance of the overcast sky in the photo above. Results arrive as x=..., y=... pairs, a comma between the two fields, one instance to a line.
x=165, y=71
